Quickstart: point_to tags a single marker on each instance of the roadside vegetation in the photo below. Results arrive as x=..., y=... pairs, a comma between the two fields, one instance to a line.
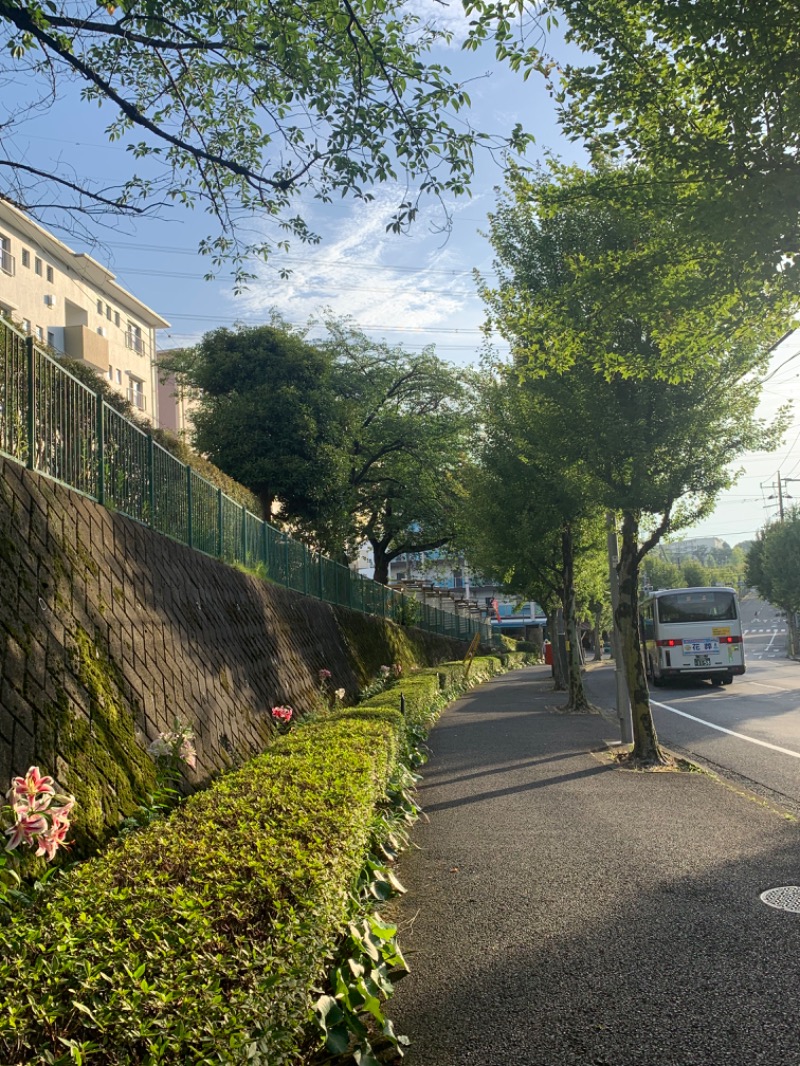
x=241, y=926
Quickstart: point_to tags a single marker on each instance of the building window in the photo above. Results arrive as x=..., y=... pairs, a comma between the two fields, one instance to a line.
x=37, y=266
x=133, y=338
x=49, y=273
x=7, y=262
x=111, y=373
x=116, y=318
x=99, y=307
x=39, y=333
x=119, y=377
x=26, y=325
x=108, y=312
x=51, y=338
x=26, y=258
x=136, y=393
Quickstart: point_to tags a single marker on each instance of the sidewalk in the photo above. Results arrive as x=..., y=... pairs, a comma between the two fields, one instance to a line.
x=563, y=911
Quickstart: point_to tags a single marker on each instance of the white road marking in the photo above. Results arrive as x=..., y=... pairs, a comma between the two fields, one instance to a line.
x=730, y=732
x=763, y=684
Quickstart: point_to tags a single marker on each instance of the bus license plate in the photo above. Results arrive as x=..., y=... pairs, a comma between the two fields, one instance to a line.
x=700, y=647
x=702, y=660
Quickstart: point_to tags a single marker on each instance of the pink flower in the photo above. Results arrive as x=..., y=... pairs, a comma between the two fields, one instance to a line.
x=25, y=830
x=188, y=753
x=325, y=675
x=282, y=714
x=53, y=838
x=60, y=815
x=33, y=791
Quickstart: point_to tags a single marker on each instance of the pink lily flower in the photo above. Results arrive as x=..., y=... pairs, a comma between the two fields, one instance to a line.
x=51, y=840
x=25, y=830
x=34, y=790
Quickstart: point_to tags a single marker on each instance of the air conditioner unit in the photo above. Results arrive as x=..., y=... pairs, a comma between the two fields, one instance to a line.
x=50, y=300
x=101, y=330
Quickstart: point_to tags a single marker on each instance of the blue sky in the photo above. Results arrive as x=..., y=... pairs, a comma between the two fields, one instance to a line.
x=414, y=290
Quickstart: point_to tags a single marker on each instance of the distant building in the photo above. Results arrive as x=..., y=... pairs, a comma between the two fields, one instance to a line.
x=72, y=303
x=694, y=548
x=174, y=403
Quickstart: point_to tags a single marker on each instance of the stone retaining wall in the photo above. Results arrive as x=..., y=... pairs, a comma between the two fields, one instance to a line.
x=109, y=632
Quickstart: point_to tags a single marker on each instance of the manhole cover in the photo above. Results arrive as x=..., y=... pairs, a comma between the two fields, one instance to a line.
x=785, y=899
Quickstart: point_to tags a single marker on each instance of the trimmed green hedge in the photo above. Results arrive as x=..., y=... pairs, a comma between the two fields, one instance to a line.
x=206, y=937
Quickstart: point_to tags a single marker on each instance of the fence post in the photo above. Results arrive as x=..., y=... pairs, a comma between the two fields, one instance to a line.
x=264, y=547
x=101, y=448
x=286, y=543
x=189, y=521
x=244, y=535
x=151, y=479
x=31, y=412
x=220, y=538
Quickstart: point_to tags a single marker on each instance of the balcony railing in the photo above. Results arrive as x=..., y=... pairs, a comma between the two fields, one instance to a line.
x=135, y=342
x=8, y=263
x=137, y=398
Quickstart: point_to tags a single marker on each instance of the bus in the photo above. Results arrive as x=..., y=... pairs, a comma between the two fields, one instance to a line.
x=693, y=632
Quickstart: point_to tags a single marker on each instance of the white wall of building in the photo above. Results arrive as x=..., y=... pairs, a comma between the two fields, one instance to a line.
x=70, y=301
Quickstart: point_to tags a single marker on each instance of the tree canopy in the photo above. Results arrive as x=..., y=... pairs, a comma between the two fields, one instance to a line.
x=355, y=440
x=705, y=96
x=262, y=412
x=238, y=110
x=403, y=428
x=773, y=568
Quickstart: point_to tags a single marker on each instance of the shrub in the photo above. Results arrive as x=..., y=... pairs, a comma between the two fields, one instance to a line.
x=205, y=938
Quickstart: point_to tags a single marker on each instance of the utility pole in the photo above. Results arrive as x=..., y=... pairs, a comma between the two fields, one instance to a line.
x=623, y=697
x=780, y=497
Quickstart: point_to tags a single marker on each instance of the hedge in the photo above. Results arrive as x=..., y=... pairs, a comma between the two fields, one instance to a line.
x=206, y=937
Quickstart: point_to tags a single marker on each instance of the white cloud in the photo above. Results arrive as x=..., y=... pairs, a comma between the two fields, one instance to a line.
x=388, y=284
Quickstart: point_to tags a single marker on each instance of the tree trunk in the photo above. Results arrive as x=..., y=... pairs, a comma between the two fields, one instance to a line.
x=598, y=640
x=559, y=665
x=381, y=561
x=577, y=696
x=645, y=742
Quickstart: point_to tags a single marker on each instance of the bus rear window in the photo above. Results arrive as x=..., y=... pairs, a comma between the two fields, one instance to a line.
x=697, y=607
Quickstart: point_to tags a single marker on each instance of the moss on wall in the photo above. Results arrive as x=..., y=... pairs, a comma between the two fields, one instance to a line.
x=99, y=758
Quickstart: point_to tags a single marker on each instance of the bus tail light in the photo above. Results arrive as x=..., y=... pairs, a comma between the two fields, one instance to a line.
x=671, y=643
x=730, y=640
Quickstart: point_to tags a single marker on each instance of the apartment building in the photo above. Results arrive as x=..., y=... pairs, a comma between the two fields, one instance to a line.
x=71, y=302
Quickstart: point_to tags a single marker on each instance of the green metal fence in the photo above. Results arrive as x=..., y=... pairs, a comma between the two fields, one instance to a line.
x=54, y=424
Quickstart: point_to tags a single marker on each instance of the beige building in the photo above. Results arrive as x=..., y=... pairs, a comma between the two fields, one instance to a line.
x=70, y=301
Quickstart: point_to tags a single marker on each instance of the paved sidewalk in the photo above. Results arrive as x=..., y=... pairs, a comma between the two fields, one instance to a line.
x=563, y=911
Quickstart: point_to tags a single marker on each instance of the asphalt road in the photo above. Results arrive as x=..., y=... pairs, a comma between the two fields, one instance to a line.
x=748, y=731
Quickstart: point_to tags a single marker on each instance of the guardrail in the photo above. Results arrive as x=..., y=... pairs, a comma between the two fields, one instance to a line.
x=56, y=425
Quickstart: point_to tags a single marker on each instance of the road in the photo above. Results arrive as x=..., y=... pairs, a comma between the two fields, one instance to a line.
x=748, y=732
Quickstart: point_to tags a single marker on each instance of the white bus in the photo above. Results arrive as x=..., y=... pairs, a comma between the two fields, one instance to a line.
x=692, y=633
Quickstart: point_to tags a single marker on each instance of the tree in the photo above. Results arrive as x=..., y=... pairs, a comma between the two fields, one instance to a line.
x=653, y=438
x=403, y=422
x=239, y=110
x=706, y=97
x=527, y=521
x=264, y=414
x=773, y=569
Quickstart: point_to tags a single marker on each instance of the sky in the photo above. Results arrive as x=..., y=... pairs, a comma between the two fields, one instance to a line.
x=415, y=290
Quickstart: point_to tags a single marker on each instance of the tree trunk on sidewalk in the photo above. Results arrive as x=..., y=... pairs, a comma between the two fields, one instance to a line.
x=556, y=649
x=577, y=700
x=645, y=742
x=598, y=639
